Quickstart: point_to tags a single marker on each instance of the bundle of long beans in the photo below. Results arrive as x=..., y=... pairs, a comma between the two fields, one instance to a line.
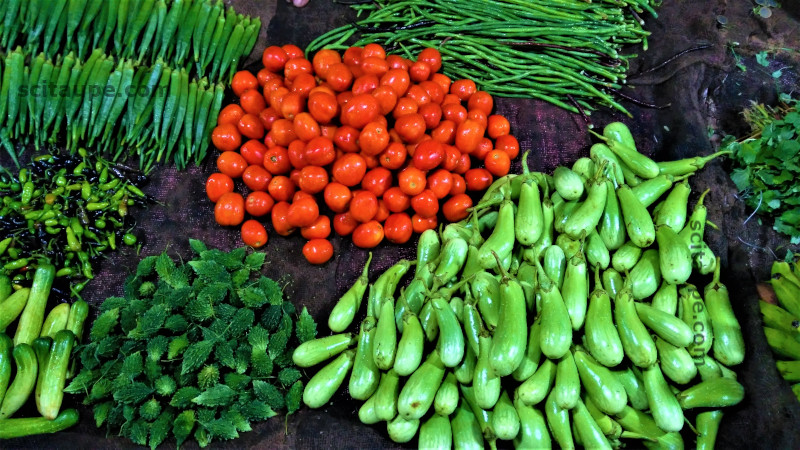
x=566, y=52
x=198, y=35
x=117, y=107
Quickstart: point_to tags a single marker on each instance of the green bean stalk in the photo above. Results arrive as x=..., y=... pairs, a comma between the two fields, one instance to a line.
x=567, y=53
x=68, y=211
x=545, y=341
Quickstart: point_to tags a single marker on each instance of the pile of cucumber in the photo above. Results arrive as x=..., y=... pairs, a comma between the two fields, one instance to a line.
x=782, y=321
x=561, y=312
x=38, y=356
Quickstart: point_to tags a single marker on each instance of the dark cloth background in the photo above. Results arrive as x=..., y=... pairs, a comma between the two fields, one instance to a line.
x=706, y=92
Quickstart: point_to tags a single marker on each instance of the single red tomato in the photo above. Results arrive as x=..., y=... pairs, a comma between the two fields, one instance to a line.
x=303, y=212
x=377, y=180
x=364, y=206
x=459, y=185
x=256, y=178
x=280, y=218
x=428, y=155
x=276, y=161
x=396, y=201
x=344, y=224
x=411, y=180
x=281, y=188
x=318, y=251
x=320, y=151
x=258, y=204
x=360, y=110
x=349, y=169
x=398, y=228
x=230, y=114
x=425, y=204
x=229, y=210
x=456, y=207
x=440, y=182
x=253, y=233
x=253, y=152
x=394, y=156
x=420, y=224
x=312, y=179
x=242, y=81
x=478, y=179
x=320, y=229
x=368, y=234
x=231, y=164
x=226, y=137
x=217, y=185
x=337, y=196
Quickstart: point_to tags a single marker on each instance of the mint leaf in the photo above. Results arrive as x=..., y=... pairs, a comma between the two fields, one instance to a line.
x=219, y=395
x=255, y=260
x=294, y=397
x=268, y=393
x=196, y=355
x=306, y=327
x=197, y=246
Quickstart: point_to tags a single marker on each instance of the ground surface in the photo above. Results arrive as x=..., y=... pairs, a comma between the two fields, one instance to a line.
x=706, y=90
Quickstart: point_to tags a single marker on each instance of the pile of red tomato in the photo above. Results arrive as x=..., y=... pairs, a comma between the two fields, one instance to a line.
x=385, y=144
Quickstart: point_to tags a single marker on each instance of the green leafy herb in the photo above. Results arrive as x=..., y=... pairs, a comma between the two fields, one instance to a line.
x=189, y=348
x=767, y=165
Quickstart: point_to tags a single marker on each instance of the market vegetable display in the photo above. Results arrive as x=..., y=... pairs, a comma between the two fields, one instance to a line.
x=387, y=144
x=115, y=107
x=199, y=35
x=201, y=348
x=68, y=211
x=40, y=354
x=781, y=323
x=568, y=53
x=516, y=326
x=766, y=166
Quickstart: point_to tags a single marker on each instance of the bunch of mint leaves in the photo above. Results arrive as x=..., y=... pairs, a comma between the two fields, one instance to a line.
x=201, y=348
x=767, y=164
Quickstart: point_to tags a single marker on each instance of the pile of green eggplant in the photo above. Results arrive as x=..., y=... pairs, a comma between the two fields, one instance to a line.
x=560, y=312
x=117, y=107
x=198, y=35
x=39, y=356
x=782, y=321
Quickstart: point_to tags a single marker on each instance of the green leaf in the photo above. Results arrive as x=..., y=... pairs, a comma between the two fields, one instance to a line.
x=159, y=430
x=211, y=271
x=146, y=266
x=261, y=363
x=184, y=396
x=132, y=393
x=103, y=324
x=277, y=343
x=268, y=393
x=225, y=311
x=241, y=322
x=112, y=303
x=150, y=322
x=306, y=327
x=132, y=365
x=255, y=260
x=761, y=58
x=219, y=395
x=787, y=150
x=138, y=432
x=258, y=338
x=156, y=347
x=237, y=381
x=223, y=429
x=101, y=411
x=294, y=397
x=271, y=317
x=183, y=425
x=777, y=74
x=240, y=277
x=238, y=420
x=214, y=292
x=196, y=355
x=242, y=356
x=272, y=290
x=176, y=323
x=749, y=151
x=197, y=246
x=288, y=376
x=257, y=410
x=82, y=382
x=164, y=266
x=253, y=297
x=199, y=309
x=224, y=355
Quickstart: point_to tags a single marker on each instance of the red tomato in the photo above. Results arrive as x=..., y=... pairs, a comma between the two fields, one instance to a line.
x=434, y=91
x=360, y=110
x=454, y=112
x=226, y=137
x=445, y=132
x=297, y=154
x=339, y=77
x=229, y=210
x=451, y=157
x=387, y=99
x=410, y=127
x=253, y=152
x=303, y=212
x=344, y=224
x=468, y=135
x=274, y=58
x=428, y=155
x=280, y=218
x=456, y=207
x=322, y=106
x=464, y=164
x=217, y=185
x=346, y=138
x=323, y=60
x=253, y=233
x=404, y=106
x=484, y=147
x=296, y=66
x=364, y=84
x=276, y=161
x=459, y=185
x=303, y=84
x=444, y=82
x=377, y=180
x=252, y=101
x=425, y=204
x=320, y=229
x=320, y=151
x=313, y=179
x=337, y=196
x=398, y=228
x=282, y=132
x=394, y=156
x=482, y=101
x=383, y=211
x=440, y=183
x=397, y=79
x=431, y=56
x=230, y=114
x=411, y=180
x=349, y=169
x=509, y=144
x=420, y=224
x=497, y=162
x=300, y=194
x=364, y=206
x=373, y=139
x=305, y=127
x=368, y=234
x=432, y=113
x=268, y=116
x=497, y=126
x=256, y=178
x=292, y=104
x=418, y=94
x=258, y=204
x=478, y=116
x=396, y=201
x=478, y=179
x=318, y=251
x=420, y=71
x=231, y=164
x=281, y=188
x=463, y=89
x=242, y=81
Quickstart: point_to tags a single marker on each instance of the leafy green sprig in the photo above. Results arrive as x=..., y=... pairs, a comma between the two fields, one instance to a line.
x=202, y=348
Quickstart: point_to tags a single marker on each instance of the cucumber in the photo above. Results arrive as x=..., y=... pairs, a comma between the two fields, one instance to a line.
x=24, y=381
x=14, y=428
x=55, y=377
x=315, y=351
x=32, y=318
x=11, y=307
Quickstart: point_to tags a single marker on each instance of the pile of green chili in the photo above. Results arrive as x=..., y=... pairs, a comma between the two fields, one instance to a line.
x=66, y=210
x=566, y=52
